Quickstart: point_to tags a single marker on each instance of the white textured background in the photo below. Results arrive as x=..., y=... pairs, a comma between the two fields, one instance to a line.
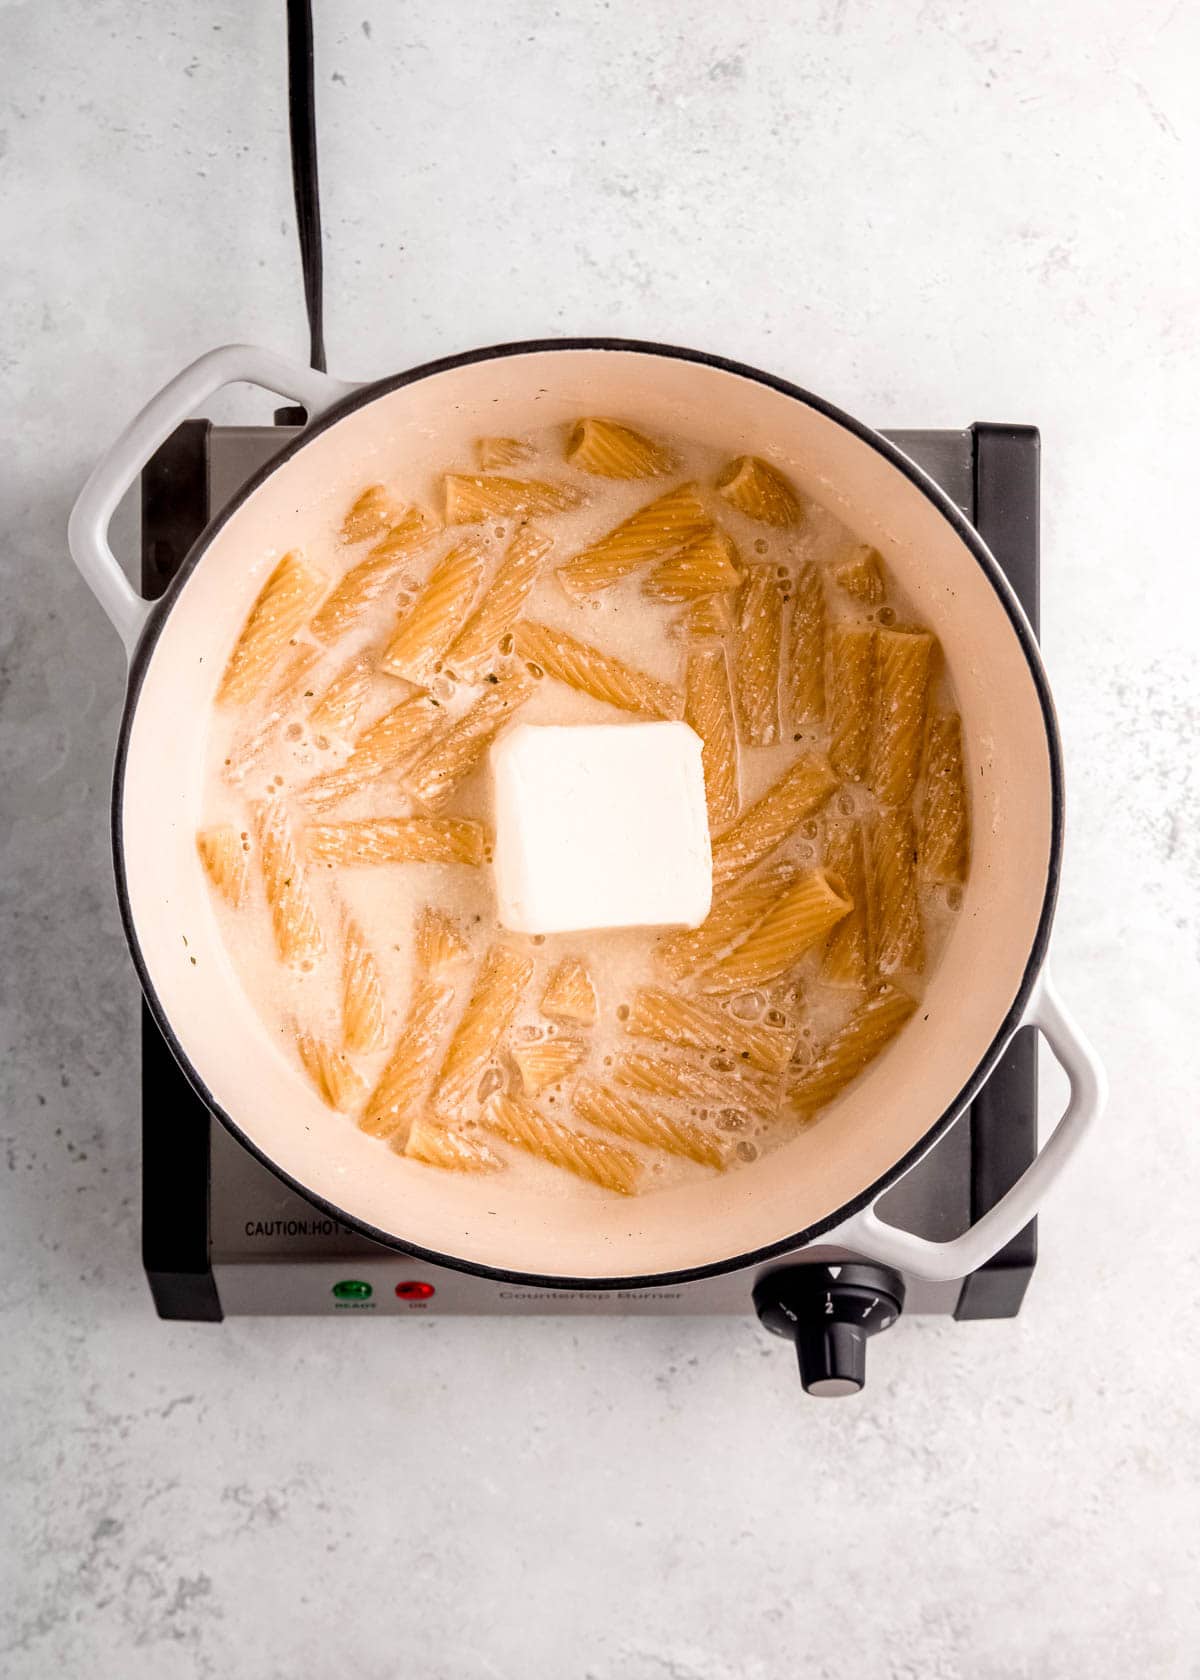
x=931, y=213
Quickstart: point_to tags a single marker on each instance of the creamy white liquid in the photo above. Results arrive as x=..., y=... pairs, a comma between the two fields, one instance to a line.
x=386, y=899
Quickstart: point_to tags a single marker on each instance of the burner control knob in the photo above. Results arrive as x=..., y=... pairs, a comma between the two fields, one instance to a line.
x=829, y=1311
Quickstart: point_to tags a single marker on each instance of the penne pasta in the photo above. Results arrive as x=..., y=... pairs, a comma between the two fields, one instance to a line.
x=329, y=1068
x=362, y=992
x=456, y=750
x=902, y=666
x=708, y=708
x=896, y=914
x=518, y=1122
x=429, y=626
x=760, y=491
x=701, y=1026
x=707, y=565
x=438, y=942
x=503, y=976
x=850, y=698
x=293, y=919
x=403, y=1088
x=799, y=919
x=805, y=681
x=570, y=993
x=873, y=1024
x=613, y=451
x=736, y=912
x=223, y=854
x=337, y=709
x=594, y=672
x=493, y=452
x=434, y=1145
x=475, y=646
x=371, y=514
x=662, y=1075
x=633, y=1119
x=757, y=638
x=847, y=959
x=472, y=498
x=707, y=619
x=860, y=573
x=653, y=532
x=284, y=603
x=546, y=1062
x=395, y=840
x=366, y=583
x=800, y=791
x=389, y=744
x=945, y=828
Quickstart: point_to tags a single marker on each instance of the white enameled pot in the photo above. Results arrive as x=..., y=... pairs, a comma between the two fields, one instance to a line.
x=822, y=1185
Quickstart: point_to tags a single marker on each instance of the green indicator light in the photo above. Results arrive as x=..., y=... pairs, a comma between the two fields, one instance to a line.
x=352, y=1289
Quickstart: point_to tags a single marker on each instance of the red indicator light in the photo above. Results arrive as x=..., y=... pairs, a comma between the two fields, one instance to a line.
x=414, y=1291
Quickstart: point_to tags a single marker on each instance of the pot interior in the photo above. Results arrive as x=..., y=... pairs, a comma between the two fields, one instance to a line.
x=430, y=423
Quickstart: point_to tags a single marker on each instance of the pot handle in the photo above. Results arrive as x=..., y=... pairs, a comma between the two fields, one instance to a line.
x=939, y=1262
x=87, y=531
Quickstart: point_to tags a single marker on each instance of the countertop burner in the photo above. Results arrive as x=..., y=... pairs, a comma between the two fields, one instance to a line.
x=222, y=1235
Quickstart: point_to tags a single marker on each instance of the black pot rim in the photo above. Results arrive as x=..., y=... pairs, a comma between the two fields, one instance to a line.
x=360, y=398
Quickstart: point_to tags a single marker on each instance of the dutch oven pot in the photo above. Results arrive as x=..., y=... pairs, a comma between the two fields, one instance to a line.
x=819, y=1187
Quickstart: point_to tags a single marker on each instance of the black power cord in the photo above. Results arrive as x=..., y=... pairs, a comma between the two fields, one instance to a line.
x=302, y=128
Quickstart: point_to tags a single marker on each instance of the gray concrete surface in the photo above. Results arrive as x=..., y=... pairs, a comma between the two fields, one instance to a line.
x=930, y=212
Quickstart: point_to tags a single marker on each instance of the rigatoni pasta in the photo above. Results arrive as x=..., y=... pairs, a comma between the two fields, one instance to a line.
x=847, y=959
x=435, y=1145
x=708, y=708
x=472, y=498
x=851, y=698
x=859, y=572
x=357, y=590
x=638, y=1121
x=592, y=671
x=945, y=828
x=570, y=993
x=403, y=1087
x=756, y=656
x=223, y=854
x=760, y=491
x=899, y=935
x=736, y=911
x=545, y=1062
x=503, y=976
x=389, y=744
x=517, y=1121
x=876, y=1020
x=371, y=513
x=431, y=623
x=337, y=1082
x=610, y=450
x=455, y=751
x=707, y=565
x=799, y=919
x=659, y=528
x=799, y=792
x=902, y=666
x=805, y=680
x=346, y=834
x=478, y=640
x=395, y=840
x=674, y=1019
x=297, y=931
x=362, y=992
x=283, y=604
